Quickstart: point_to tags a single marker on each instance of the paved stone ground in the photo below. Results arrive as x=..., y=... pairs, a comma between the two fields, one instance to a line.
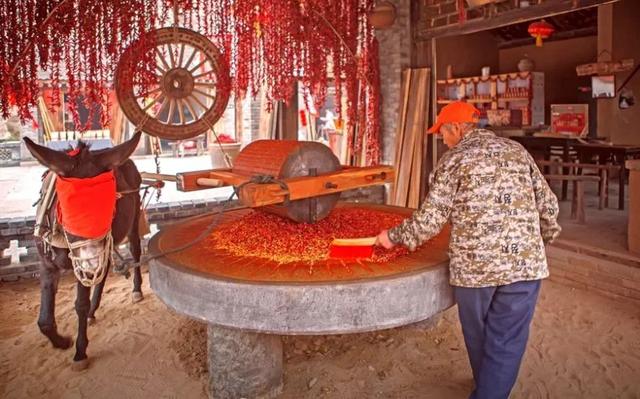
x=19, y=186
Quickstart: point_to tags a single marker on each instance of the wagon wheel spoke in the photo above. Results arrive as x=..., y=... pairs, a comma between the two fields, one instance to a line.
x=171, y=55
x=182, y=45
x=197, y=100
x=160, y=69
x=205, y=74
x=181, y=111
x=153, y=102
x=204, y=93
x=192, y=111
x=160, y=109
x=172, y=105
x=192, y=70
x=205, y=84
x=146, y=94
x=191, y=57
x=161, y=56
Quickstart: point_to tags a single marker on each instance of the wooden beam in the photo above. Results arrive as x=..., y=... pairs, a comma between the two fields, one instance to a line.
x=256, y=195
x=517, y=15
x=188, y=181
x=582, y=32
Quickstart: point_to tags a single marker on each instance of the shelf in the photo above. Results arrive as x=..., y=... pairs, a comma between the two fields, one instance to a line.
x=472, y=101
x=514, y=99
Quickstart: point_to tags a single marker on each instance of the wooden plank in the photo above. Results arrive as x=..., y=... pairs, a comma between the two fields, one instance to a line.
x=413, y=197
x=207, y=182
x=514, y=16
x=416, y=175
x=408, y=143
x=409, y=164
x=405, y=84
x=405, y=87
x=578, y=165
x=188, y=181
x=158, y=176
x=255, y=195
x=572, y=177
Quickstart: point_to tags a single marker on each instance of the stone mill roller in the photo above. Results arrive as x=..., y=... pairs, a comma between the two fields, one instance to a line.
x=301, y=180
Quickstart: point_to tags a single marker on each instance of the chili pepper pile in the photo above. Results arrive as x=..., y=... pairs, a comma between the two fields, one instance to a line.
x=281, y=240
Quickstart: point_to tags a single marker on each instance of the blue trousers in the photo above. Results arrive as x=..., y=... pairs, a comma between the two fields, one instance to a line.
x=495, y=324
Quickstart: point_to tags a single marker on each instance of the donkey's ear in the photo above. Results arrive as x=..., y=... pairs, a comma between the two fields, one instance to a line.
x=117, y=155
x=56, y=161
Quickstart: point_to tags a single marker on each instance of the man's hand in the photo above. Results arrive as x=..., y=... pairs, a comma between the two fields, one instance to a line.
x=383, y=240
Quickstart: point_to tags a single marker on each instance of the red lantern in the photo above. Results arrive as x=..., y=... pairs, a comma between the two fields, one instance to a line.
x=541, y=30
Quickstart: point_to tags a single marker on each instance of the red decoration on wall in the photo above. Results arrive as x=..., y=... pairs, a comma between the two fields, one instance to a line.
x=270, y=44
x=541, y=30
x=303, y=118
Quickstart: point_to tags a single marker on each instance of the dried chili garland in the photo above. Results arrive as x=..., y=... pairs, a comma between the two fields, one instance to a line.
x=268, y=236
x=269, y=44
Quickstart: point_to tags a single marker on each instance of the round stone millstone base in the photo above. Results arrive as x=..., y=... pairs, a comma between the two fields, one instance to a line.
x=243, y=364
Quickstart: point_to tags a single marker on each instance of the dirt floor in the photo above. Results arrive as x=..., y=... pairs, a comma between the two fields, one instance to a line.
x=582, y=346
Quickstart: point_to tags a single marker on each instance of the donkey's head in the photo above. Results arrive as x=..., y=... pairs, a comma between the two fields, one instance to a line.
x=86, y=191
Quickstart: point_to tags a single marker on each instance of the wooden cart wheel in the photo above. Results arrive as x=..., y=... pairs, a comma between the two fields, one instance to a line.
x=192, y=88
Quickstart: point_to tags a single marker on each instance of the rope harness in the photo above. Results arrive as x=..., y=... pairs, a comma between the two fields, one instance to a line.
x=123, y=267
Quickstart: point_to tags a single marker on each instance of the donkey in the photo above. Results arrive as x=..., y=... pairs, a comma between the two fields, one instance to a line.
x=90, y=258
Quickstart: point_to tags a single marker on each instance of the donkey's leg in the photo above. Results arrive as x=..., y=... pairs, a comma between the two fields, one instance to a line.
x=80, y=361
x=136, y=252
x=49, y=276
x=97, y=297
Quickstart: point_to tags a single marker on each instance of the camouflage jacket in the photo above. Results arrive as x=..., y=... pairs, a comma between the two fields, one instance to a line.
x=500, y=208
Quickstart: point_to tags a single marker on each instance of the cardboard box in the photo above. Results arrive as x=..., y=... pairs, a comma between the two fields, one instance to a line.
x=572, y=119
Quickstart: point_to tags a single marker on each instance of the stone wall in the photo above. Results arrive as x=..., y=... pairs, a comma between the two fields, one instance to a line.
x=395, y=55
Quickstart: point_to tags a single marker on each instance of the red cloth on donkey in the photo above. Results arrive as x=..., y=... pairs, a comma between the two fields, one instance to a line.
x=86, y=206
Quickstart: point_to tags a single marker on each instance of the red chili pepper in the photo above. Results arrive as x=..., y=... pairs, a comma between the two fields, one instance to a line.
x=268, y=236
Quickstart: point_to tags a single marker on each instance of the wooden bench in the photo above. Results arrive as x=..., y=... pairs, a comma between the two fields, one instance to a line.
x=577, y=202
x=575, y=168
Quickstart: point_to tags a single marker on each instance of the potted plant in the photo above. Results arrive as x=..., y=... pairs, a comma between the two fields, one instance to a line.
x=220, y=146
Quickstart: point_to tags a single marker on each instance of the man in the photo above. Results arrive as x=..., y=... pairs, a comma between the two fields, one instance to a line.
x=501, y=212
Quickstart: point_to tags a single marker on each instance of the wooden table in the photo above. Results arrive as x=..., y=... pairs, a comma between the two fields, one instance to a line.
x=615, y=154
x=543, y=144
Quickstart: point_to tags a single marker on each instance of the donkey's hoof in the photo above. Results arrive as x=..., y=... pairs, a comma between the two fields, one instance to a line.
x=63, y=343
x=91, y=320
x=136, y=297
x=79, y=365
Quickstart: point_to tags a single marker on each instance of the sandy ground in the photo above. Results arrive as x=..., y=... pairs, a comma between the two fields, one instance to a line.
x=582, y=346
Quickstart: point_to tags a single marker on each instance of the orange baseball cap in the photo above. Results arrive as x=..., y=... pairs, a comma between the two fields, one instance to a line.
x=457, y=111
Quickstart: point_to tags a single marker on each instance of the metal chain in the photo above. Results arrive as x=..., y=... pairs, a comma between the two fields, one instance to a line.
x=227, y=158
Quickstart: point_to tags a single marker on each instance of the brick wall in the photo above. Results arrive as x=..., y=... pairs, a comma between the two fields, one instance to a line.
x=395, y=49
x=20, y=230
x=617, y=277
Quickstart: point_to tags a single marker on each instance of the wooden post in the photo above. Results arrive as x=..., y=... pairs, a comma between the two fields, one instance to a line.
x=289, y=119
x=579, y=184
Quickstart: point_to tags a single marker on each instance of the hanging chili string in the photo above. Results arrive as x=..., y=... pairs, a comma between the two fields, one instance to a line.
x=269, y=45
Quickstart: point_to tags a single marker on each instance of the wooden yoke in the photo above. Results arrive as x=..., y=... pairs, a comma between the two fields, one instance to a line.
x=256, y=195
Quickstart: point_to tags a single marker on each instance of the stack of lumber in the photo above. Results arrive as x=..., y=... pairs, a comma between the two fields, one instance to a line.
x=47, y=122
x=410, y=137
